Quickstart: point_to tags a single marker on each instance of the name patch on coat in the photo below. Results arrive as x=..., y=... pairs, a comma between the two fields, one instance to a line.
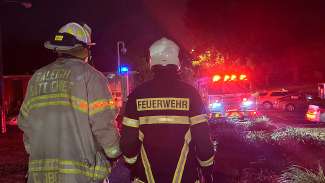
x=148, y=104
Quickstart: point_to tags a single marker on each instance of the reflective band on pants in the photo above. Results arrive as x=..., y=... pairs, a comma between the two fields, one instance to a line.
x=69, y=167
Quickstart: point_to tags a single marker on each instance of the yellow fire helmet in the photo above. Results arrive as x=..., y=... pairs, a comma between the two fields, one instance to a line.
x=164, y=52
x=70, y=36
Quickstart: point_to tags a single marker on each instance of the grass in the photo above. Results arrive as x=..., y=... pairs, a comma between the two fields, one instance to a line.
x=298, y=174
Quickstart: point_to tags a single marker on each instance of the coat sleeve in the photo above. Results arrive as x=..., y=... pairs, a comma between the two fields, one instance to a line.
x=130, y=143
x=23, y=120
x=102, y=113
x=200, y=132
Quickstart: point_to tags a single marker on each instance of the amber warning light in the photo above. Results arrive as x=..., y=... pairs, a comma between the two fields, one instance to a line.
x=229, y=77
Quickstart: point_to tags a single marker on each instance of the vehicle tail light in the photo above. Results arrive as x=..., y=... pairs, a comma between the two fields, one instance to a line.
x=312, y=113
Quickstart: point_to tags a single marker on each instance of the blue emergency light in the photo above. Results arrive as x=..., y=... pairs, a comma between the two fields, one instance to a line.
x=124, y=69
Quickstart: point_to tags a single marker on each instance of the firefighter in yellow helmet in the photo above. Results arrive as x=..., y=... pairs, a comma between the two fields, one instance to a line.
x=67, y=115
x=165, y=135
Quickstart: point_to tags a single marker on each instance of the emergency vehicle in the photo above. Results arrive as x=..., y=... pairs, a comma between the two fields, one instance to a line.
x=228, y=97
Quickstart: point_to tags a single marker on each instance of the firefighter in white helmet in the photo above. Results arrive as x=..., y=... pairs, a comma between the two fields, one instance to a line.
x=165, y=135
x=67, y=114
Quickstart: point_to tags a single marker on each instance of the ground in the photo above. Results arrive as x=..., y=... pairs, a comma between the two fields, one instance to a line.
x=13, y=158
x=246, y=152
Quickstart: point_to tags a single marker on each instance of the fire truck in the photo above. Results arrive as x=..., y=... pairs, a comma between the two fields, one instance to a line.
x=228, y=97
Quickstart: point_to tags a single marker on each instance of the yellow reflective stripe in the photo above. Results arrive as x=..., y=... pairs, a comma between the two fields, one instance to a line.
x=202, y=118
x=100, y=105
x=58, y=103
x=145, y=161
x=206, y=163
x=182, y=159
x=77, y=103
x=130, y=160
x=52, y=162
x=44, y=97
x=141, y=136
x=70, y=171
x=137, y=181
x=113, y=152
x=145, y=120
x=98, y=172
x=77, y=171
x=146, y=164
x=44, y=104
x=130, y=122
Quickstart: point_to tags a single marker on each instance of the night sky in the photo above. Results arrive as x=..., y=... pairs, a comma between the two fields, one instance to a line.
x=270, y=31
x=25, y=30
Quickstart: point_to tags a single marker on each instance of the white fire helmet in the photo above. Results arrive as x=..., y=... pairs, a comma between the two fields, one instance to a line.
x=70, y=36
x=164, y=52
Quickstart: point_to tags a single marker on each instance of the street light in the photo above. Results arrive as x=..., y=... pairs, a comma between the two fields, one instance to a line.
x=123, y=76
x=26, y=5
x=119, y=49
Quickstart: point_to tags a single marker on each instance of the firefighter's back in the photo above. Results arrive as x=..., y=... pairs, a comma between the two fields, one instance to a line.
x=165, y=135
x=164, y=130
x=61, y=138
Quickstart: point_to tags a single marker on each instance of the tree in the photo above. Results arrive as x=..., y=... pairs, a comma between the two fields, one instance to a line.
x=262, y=31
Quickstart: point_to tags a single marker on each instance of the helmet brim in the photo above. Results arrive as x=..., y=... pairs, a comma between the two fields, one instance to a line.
x=50, y=46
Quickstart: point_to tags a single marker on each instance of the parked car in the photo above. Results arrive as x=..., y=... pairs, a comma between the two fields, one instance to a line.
x=295, y=102
x=267, y=98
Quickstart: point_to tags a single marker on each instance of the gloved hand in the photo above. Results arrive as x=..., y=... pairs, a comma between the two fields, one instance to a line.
x=120, y=173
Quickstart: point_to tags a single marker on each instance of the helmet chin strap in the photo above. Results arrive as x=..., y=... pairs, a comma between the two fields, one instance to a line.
x=89, y=58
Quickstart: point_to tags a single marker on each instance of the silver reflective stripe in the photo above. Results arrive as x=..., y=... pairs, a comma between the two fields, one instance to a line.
x=183, y=120
x=145, y=161
x=202, y=118
x=207, y=162
x=182, y=159
x=69, y=167
x=131, y=160
x=130, y=122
